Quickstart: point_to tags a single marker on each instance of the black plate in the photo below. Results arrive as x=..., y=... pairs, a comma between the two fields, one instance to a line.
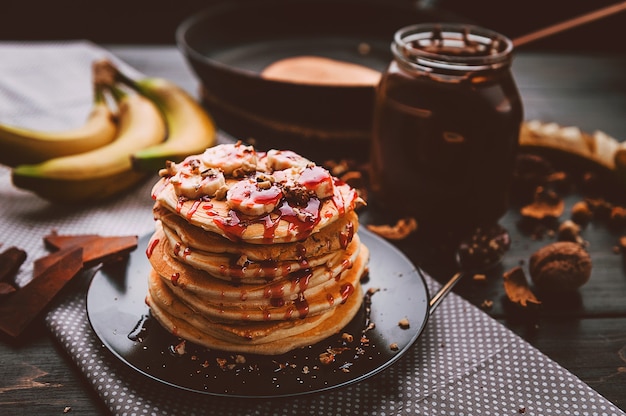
x=121, y=319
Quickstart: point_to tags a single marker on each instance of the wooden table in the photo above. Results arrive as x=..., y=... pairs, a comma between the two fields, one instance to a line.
x=586, y=334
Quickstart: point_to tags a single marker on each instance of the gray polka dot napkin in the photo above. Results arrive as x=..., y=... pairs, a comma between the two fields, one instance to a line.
x=465, y=363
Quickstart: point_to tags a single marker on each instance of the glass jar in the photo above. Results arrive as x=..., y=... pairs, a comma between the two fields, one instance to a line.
x=446, y=126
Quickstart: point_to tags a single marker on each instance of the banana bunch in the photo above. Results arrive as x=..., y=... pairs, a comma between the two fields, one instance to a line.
x=20, y=145
x=155, y=121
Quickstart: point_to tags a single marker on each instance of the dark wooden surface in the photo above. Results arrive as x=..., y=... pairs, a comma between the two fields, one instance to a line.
x=586, y=333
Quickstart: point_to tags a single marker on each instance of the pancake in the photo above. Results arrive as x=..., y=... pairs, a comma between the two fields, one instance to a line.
x=312, y=301
x=317, y=70
x=212, y=289
x=239, y=268
x=324, y=241
x=280, y=343
x=254, y=251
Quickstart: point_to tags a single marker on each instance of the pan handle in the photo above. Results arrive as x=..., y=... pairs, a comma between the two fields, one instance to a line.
x=445, y=289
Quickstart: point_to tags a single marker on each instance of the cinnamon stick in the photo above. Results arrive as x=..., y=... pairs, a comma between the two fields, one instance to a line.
x=96, y=248
x=18, y=310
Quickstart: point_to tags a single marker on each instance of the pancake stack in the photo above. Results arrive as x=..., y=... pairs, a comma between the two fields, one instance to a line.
x=254, y=252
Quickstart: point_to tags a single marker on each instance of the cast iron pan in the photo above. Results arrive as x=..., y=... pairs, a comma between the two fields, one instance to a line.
x=229, y=44
x=395, y=288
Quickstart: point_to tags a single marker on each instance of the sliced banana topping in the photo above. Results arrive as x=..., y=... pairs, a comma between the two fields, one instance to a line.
x=254, y=196
x=260, y=182
x=233, y=159
x=285, y=159
x=318, y=181
x=193, y=180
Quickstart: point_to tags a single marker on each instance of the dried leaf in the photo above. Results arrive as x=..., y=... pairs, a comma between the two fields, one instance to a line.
x=516, y=287
x=399, y=231
x=547, y=204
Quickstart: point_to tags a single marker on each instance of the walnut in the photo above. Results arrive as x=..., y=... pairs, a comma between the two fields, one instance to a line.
x=561, y=266
x=299, y=195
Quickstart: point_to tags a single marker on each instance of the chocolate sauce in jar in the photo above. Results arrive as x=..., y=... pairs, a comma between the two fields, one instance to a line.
x=446, y=126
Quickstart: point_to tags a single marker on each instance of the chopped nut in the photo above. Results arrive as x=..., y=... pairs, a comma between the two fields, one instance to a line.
x=180, y=348
x=67, y=409
x=487, y=304
x=337, y=168
x=570, y=231
x=372, y=290
x=484, y=247
x=222, y=362
x=220, y=194
x=326, y=358
x=404, y=323
x=347, y=337
x=617, y=218
x=600, y=207
x=479, y=277
x=240, y=359
x=402, y=229
x=242, y=260
x=394, y=346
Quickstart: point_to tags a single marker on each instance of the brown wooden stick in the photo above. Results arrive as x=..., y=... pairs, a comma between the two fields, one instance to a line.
x=569, y=24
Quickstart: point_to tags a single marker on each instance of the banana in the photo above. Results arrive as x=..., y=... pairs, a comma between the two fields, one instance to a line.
x=21, y=145
x=252, y=198
x=103, y=172
x=190, y=130
x=597, y=150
